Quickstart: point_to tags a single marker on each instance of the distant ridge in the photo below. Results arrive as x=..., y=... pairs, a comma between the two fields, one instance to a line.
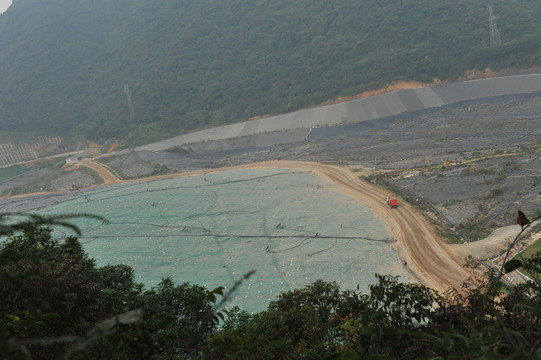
x=137, y=71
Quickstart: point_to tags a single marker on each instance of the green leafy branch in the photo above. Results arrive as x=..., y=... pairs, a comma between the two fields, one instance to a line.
x=509, y=266
x=11, y=223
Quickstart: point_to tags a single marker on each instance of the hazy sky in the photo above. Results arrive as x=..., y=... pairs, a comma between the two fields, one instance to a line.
x=4, y=4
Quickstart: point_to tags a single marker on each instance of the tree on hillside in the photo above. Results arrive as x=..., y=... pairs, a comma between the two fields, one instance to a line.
x=65, y=64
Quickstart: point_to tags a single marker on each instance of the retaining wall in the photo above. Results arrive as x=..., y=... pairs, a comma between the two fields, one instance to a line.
x=356, y=111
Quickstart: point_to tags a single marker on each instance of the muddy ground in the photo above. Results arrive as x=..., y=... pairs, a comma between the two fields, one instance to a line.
x=471, y=166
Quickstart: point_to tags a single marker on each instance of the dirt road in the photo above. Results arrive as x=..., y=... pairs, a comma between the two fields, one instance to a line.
x=430, y=260
x=107, y=176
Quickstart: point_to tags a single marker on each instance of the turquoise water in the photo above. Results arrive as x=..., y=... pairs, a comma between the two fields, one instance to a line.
x=290, y=227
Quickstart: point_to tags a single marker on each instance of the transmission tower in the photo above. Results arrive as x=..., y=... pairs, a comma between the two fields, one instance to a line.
x=130, y=105
x=495, y=38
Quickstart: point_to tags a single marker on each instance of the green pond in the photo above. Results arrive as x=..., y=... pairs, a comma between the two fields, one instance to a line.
x=290, y=227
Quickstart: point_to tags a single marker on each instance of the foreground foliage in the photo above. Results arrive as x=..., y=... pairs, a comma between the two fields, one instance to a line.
x=56, y=303
x=396, y=321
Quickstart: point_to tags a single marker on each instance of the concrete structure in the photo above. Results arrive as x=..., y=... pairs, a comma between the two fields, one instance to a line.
x=296, y=126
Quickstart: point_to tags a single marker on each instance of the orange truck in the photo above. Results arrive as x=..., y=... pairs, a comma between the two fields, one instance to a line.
x=392, y=202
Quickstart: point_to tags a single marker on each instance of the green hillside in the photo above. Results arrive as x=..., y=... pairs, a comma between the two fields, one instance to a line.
x=65, y=64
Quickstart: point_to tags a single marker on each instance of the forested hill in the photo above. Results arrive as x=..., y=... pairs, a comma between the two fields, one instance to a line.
x=137, y=70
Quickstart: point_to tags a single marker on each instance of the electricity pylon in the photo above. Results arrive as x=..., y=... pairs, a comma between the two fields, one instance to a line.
x=130, y=105
x=495, y=38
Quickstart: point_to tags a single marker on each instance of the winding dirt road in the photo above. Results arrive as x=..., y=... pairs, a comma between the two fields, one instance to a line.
x=429, y=259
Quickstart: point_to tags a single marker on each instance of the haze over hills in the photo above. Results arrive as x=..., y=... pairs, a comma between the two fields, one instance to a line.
x=4, y=4
x=137, y=71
